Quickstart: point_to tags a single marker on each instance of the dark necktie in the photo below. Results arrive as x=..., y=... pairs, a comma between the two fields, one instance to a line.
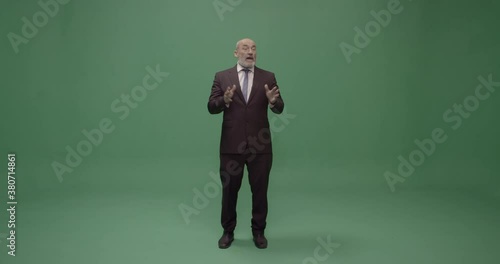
x=244, y=89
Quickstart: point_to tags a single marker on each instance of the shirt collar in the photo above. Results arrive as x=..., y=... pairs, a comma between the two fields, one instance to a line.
x=239, y=67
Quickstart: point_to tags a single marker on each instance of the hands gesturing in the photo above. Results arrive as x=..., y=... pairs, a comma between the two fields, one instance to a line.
x=228, y=94
x=272, y=95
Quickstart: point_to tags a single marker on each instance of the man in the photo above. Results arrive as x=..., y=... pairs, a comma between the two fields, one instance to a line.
x=245, y=93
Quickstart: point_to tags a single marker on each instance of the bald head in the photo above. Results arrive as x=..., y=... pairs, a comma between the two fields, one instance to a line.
x=245, y=40
x=246, y=52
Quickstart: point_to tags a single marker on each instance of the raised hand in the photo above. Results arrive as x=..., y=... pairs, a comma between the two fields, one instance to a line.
x=272, y=95
x=228, y=94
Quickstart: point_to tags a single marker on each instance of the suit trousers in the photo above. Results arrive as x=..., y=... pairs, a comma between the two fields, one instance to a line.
x=231, y=173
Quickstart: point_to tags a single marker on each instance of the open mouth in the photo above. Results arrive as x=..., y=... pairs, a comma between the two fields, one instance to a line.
x=249, y=58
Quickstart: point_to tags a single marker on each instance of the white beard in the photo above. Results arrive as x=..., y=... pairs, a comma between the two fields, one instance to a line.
x=246, y=64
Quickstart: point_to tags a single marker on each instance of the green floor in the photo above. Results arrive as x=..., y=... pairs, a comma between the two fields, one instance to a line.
x=126, y=213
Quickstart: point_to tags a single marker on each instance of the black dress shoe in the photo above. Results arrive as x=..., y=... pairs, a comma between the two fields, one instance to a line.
x=259, y=240
x=226, y=240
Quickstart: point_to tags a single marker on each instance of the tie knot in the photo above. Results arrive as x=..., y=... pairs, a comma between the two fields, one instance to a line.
x=246, y=70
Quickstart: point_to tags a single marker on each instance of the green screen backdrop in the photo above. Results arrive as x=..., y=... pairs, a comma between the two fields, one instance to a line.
x=387, y=151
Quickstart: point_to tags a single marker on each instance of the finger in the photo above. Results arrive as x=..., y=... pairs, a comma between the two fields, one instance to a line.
x=274, y=89
x=266, y=87
x=234, y=88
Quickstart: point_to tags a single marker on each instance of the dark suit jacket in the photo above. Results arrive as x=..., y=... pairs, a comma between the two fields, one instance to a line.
x=245, y=126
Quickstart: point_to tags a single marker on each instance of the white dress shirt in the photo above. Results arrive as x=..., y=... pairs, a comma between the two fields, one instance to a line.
x=241, y=77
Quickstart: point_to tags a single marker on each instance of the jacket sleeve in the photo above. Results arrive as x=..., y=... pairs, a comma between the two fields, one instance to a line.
x=279, y=105
x=216, y=100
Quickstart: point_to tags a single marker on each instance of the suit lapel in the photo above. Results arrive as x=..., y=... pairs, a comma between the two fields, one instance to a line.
x=233, y=77
x=255, y=85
